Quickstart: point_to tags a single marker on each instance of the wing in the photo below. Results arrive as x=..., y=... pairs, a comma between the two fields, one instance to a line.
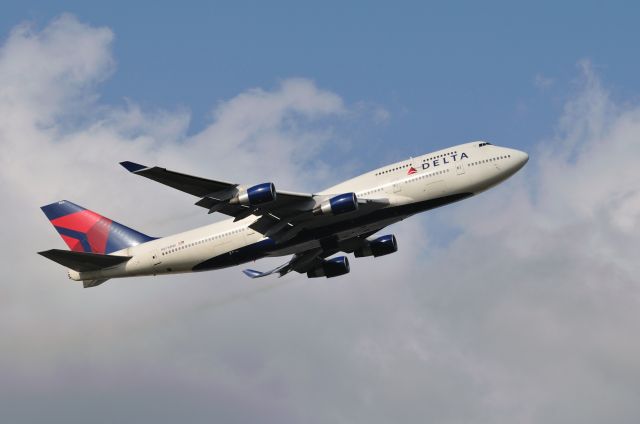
x=280, y=219
x=215, y=195
x=196, y=186
x=301, y=262
x=306, y=261
x=284, y=227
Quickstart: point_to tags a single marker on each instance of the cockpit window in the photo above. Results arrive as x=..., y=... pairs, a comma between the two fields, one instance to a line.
x=484, y=144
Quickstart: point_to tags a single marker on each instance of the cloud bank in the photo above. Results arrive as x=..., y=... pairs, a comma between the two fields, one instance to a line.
x=530, y=314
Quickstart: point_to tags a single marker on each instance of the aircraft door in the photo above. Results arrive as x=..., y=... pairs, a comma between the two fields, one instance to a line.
x=460, y=168
x=156, y=258
x=393, y=188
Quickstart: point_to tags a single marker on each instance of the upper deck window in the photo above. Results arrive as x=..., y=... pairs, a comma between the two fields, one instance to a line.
x=484, y=144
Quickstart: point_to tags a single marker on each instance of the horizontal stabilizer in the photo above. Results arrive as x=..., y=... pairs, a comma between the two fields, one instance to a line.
x=93, y=283
x=83, y=262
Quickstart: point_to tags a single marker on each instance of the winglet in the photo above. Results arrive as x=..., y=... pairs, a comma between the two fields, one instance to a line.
x=281, y=270
x=252, y=273
x=132, y=166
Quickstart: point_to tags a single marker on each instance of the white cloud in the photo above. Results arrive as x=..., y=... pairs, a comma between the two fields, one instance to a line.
x=530, y=315
x=550, y=290
x=46, y=73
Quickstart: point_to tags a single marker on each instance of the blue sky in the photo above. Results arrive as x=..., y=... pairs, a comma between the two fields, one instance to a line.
x=521, y=304
x=446, y=73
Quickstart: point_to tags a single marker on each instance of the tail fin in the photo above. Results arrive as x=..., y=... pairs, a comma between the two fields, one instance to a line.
x=87, y=231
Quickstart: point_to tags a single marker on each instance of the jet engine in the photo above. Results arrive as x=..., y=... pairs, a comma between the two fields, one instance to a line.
x=331, y=268
x=256, y=195
x=378, y=247
x=342, y=203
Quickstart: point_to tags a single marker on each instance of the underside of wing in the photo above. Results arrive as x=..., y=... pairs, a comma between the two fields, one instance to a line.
x=286, y=225
x=301, y=262
x=309, y=260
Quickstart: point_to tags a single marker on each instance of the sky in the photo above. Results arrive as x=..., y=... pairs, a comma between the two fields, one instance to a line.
x=519, y=305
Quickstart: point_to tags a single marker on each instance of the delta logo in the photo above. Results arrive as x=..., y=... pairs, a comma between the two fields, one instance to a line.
x=443, y=160
x=411, y=170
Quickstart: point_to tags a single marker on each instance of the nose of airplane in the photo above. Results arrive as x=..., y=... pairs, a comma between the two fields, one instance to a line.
x=522, y=158
x=518, y=160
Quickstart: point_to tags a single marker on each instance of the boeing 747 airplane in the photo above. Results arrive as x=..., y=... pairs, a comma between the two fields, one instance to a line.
x=268, y=222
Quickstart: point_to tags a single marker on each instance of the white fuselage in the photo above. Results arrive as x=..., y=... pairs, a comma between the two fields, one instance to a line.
x=466, y=169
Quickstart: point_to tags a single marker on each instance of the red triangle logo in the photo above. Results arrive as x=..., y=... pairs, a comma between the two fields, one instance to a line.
x=412, y=170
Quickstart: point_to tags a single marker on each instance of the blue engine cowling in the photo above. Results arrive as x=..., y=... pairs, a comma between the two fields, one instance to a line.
x=342, y=203
x=256, y=195
x=331, y=268
x=379, y=247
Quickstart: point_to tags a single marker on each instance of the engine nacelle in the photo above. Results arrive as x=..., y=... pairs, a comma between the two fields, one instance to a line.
x=256, y=195
x=331, y=268
x=342, y=203
x=379, y=247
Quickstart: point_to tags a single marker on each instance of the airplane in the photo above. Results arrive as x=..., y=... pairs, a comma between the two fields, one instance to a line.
x=266, y=222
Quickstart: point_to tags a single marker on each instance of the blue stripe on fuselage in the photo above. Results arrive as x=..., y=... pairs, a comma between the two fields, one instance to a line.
x=238, y=256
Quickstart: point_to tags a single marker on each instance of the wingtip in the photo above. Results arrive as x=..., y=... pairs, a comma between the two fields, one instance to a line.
x=47, y=253
x=252, y=273
x=132, y=166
